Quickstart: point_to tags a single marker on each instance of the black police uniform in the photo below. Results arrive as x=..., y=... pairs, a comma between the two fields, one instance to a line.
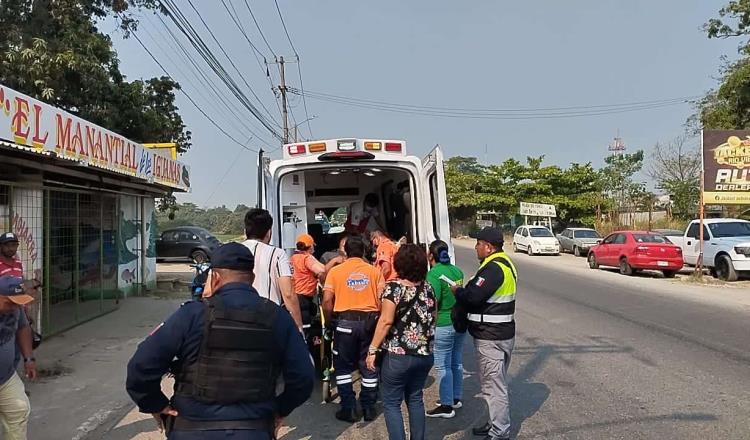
x=212, y=402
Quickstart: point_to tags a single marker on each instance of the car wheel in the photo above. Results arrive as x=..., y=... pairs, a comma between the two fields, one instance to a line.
x=593, y=264
x=530, y=250
x=725, y=269
x=199, y=257
x=576, y=251
x=669, y=273
x=515, y=247
x=625, y=267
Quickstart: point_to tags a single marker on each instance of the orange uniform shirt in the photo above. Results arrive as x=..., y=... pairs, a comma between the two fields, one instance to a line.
x=385, y=253
x=305, y=280
x=356, y=285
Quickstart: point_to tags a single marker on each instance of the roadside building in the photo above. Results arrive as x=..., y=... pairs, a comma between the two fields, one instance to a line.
x=81, y=200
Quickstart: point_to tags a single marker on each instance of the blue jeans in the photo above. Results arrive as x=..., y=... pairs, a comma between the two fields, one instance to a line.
x=449, y=347
x=402, y=377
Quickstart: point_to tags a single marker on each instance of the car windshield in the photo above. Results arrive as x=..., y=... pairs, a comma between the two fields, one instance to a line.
x=586, y=234
x=650, y=238
x=204, y=234
x=540, y=232
x=730, y=229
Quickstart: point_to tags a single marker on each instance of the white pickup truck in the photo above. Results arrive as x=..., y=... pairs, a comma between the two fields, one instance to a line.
x=726, y=250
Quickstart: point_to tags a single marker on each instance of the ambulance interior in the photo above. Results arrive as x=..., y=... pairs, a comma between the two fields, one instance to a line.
x=318, y=201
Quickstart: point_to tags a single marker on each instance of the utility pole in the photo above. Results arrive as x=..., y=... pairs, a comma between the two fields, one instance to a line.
x=284, y=110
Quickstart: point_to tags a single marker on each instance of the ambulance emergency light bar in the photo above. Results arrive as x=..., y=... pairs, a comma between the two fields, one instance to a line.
x=344, y=146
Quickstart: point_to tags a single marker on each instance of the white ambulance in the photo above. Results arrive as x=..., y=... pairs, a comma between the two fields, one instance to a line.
x=316, y=179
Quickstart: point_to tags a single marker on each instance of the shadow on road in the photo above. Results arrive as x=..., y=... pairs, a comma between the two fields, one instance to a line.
x=676, y=417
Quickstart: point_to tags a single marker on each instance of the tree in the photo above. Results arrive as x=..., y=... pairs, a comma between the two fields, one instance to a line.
x=676, y=169
x=53, y=50
x=617, y=178
x=728, y=107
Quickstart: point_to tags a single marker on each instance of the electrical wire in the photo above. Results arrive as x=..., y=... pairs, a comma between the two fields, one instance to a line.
x=250, y=10
x=504, y=114
x=135, y=35
x=184, y=26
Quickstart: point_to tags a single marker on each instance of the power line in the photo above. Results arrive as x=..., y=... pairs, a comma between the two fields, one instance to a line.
x=249, y=9
x=299, y=67
x=221, y=47
x=184, y=26
x=506, y=114
x=224, y=176
x=281, y=17
x=190, y=98
x=197, y=73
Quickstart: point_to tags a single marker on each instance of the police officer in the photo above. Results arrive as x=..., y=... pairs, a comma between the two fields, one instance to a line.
x=351, y=297
x=490, y=300
x=227, y=353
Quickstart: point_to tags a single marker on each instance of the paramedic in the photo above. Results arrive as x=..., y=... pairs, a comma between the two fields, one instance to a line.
x=385, y=250
x=352, y=292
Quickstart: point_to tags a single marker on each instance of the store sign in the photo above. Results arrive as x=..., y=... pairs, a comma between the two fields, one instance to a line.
x=27, y=121
x=726, y=167
x=537, y=210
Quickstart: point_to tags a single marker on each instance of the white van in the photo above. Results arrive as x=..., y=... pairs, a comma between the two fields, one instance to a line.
x=330, y=179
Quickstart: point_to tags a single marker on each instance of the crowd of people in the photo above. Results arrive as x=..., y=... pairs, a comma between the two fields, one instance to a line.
x=395, y=311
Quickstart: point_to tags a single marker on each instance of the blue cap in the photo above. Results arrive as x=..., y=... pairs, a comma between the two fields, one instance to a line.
x=8, y=237
x=12, y=287
x=234, y=256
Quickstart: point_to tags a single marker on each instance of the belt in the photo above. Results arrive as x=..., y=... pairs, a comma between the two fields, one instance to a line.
x=183, y=424
x=492, y=319
x=354, y=315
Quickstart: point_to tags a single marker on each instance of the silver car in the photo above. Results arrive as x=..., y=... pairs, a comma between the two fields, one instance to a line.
x=578, y=240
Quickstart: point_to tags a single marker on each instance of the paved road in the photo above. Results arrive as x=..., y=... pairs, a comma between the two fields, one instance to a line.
x=599, y=356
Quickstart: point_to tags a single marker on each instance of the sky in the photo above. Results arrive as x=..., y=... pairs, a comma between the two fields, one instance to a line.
x=502, y=54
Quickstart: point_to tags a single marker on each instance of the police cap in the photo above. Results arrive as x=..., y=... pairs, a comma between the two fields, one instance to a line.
x=490, y=235
x=233, y=256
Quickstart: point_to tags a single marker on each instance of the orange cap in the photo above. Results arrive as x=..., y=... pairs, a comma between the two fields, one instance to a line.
x=306, y=239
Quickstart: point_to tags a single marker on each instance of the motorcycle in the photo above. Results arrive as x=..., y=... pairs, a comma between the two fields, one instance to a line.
x=199, y=280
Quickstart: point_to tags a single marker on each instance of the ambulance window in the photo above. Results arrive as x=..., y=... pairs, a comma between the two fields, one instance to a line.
x=435, y=204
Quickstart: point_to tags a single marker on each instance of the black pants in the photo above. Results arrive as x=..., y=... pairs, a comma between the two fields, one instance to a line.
x=350, y=344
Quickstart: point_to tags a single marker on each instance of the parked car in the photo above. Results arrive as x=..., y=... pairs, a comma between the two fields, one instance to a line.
x=669, y=233
x=578, y=240
x=535, y=240
x=726, y=250
x=187, y=242
x=633, y=251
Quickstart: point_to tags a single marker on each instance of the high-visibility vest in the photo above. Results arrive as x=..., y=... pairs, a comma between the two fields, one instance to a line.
x=500, y=307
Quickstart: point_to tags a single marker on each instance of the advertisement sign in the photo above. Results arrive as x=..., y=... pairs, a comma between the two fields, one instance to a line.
x=537, y=210
x=27, y=121
x=726, y=167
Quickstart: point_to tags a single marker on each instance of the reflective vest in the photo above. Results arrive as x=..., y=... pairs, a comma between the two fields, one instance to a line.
x=237, y=360
x=501, y=306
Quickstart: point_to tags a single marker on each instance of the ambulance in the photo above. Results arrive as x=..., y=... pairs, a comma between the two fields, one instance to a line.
x=331, y=178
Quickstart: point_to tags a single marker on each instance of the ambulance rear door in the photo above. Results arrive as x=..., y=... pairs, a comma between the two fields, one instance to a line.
x=267, y=192
x=434, y=203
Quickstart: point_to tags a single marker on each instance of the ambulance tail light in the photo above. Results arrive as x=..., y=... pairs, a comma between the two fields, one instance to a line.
x=346, y=155
x=296, y=149
x=393, y=147
x=317, y=147
x=376, y=146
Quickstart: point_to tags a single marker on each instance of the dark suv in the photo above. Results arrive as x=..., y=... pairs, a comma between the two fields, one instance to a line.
x=187, y=242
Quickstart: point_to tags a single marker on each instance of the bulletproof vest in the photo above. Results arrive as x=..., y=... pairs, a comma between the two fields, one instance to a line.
x=237, y=360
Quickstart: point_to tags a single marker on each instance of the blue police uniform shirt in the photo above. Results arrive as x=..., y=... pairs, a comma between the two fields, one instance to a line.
x=180, y=337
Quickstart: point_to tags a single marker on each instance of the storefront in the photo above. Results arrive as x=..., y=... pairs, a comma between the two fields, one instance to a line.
x=81, y=200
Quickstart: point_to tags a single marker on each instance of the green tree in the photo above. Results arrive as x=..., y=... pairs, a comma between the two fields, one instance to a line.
x=53, y=50
x=676, y=170
x=617, y=178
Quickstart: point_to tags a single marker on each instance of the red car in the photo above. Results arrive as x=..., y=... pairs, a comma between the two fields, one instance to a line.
x=633, y=251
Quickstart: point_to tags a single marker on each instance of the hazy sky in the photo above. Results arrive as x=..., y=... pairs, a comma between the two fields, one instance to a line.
x=503, y=54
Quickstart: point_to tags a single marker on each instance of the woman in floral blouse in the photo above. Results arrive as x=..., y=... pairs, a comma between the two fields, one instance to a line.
x=405, y=332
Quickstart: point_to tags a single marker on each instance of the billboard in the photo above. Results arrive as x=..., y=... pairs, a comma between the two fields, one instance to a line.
x=537, y=210
x=42, y=127
x=726, y=167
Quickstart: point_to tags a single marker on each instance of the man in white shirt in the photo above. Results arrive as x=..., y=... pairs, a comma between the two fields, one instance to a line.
x=273, y=273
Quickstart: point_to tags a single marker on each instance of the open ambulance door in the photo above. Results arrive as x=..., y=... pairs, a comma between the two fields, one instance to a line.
x=267, y=193
x=435, y=219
